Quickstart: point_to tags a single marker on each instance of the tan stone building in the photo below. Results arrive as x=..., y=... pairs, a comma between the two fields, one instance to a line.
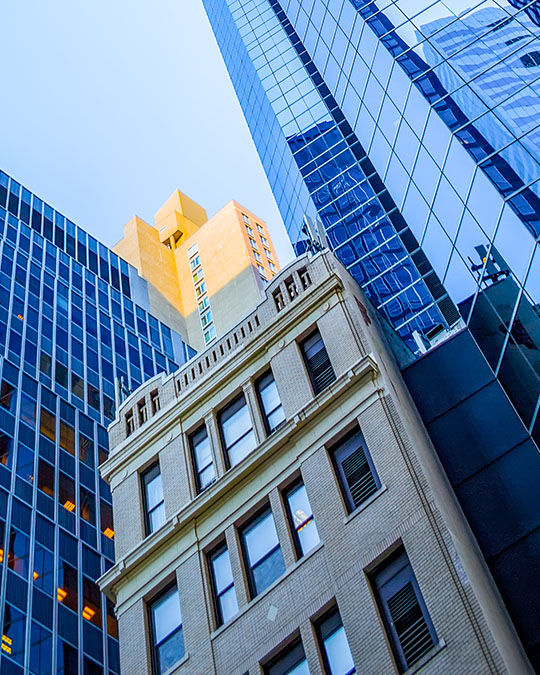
x=279, y=507
x=202, y=272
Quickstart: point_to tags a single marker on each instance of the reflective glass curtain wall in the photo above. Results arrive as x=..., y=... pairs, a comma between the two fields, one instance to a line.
x=416, y=118
x=68, y=326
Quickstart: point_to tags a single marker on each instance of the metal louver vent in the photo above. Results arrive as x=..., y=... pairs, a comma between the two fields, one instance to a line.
x=410, y=624
x=358, y=475
x=321, y=370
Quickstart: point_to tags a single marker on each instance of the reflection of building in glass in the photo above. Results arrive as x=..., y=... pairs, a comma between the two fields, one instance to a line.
x=342, y=105
x=345, y=138
x=502, y=93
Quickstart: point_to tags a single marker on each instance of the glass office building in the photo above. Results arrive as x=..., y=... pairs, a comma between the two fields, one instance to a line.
x=411, y=131
x=73, y=317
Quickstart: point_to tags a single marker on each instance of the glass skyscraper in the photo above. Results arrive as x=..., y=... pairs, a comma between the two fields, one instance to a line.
x=411, y=131
x=73, y=317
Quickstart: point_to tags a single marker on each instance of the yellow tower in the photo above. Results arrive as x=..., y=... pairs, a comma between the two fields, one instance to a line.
x=210, y=271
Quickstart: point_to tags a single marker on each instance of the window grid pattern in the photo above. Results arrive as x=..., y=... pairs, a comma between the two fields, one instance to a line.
x=445, y=109
x=69, y=325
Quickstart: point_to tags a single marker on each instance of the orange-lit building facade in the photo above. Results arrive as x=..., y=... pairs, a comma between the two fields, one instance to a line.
x=203, y=271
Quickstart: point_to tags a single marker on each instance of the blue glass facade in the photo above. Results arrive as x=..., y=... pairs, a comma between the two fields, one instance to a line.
x=411, y=131
x=73, y=317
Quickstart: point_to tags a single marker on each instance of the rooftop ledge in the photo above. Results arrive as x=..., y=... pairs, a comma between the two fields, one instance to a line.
x=364, y=371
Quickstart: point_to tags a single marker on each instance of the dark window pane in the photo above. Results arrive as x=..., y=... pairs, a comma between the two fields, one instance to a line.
x=236, y=430
x=355, y=469
x=202, y=457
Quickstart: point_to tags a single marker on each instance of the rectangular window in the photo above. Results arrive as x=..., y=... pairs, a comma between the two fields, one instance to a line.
x=291, y=661
x=270, y=402
x=317, y=362
x=154, y=401
x=253, y=243
x=403, y=609
x=205, y=473
x=223, y=585
x=130, y=423
x=166, y=630
x=245, y=218
x=355, y=470
x=264, y=241
x=203, y=304
x=257, y=256
x=154, y=506
x=201, y=289
x=303, y=525
x=260, y=228
x=206, y=318
x=142, y=411
x=209, y=334
x=236, y=430
x=335, y=648
x=195, y=262
x=272, y=266
x=268, y=254
x=262, y=552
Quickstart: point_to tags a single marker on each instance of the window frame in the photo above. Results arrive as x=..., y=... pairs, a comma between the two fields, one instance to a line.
x=216, y=595
x=152, y=632
x=196, y=471
x=144, y=484
x=226, y=449
x=398, y=564
x=341, y=447
x=332, y=614
x=259, y=516
x=291, y=656
x=302, y=345
x=287, y=492
x=264, y=413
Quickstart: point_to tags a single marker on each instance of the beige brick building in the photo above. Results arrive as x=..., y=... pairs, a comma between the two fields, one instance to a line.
x=279, y=508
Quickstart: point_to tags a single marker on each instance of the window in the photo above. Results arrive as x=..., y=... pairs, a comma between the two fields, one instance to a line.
x=334, y=645
x=154, y=401
x=198, y=276
x=206, y=318
x=260, y=228
x=262, y=551
x=304, y=529
x=317, y=362
x=272, y=266
x=355, y=470
x=264, y=241
x=154, y=506
x=403, y=610
x=201, y=289
x=166, y=630
x=202, y=459
x=195, y=262
x=130, y=423
x=203, y=304
x=268, y=254
x=236, y=430
x=223, y=584
x=262, y=272
x=270, y=402
x=210, y=334
x=245, y=218
x=142, y=411
x=257, y=256
x=292, y=661
x=253, y=244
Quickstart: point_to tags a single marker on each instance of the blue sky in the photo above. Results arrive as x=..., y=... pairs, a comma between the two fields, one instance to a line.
x=110, y=106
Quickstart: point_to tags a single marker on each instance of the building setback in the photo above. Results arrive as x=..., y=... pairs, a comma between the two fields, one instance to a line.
x=209, y=270
x=279, y=505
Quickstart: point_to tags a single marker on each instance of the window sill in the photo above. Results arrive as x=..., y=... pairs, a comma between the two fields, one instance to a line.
x=433, y=652
x=365, y=505
x=266, y=591
x=177, y=665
